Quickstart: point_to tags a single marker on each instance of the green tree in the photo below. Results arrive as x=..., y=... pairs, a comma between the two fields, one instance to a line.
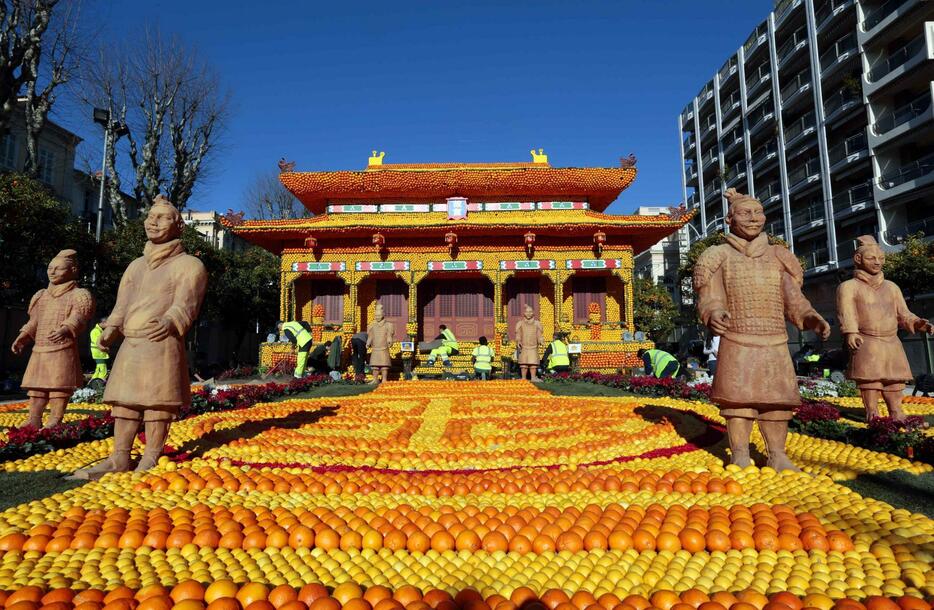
x=654, y=311
x=247, y=291
x=912, y=268
x=34, y=226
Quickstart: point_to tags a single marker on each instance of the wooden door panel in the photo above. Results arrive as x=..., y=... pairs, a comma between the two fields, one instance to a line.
x=519, y=293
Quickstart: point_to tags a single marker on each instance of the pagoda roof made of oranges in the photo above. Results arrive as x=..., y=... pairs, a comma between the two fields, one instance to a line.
x=600, y=186
x=639, y=231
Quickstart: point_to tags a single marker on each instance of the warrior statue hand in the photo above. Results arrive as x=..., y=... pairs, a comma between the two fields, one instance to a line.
x=924, y=326
x=20, y=343
x=59, y=336
x=159, y=330
x=720, y=321
x=854, y=341
x=107, y=338
x=819, y=325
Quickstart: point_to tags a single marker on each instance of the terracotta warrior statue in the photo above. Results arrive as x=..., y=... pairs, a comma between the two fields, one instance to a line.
x=746, y=290
x=157, y=302
x=379, y=338
x=871, y=310
x=57, y=315
x=529, y=338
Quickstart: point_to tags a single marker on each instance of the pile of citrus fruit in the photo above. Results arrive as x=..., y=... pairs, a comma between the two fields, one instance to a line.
x=465, y=496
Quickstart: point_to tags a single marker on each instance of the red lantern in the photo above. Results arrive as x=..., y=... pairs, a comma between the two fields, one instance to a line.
x=450, y=240
x=529, y=242
x=311, y=243
x=379, y=241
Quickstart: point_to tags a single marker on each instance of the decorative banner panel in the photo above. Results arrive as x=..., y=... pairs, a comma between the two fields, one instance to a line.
x=526, y=265
x=319, y=267
x=509, y=206
x=405, y=207
x=443, y=207
x=562, y=205
x=457, y=208
x=455, y=265
x=594, y=263
x=382, y=266
x=353, y=209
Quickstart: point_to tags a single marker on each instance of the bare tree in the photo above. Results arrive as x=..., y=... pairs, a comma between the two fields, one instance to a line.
x=265, y=198
x=61, y=48
x=22, y=26
x=175, y=108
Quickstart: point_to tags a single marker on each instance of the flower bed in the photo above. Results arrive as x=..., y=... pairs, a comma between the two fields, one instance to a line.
x=645, y=385
x=27, y=440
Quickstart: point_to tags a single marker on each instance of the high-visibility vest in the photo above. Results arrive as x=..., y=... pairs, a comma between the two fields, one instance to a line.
x=301, y=334
x=812, y=358
x=660, y=360
x=448, y=340
x=484, y=357
x=96, y=352
x=559, y=355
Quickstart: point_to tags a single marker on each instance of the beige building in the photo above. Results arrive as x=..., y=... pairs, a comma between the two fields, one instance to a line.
x=660, y=262
x=209, y=225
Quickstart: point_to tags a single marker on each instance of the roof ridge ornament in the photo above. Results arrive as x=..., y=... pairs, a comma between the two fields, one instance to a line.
x=539, y=157
x=376, y=159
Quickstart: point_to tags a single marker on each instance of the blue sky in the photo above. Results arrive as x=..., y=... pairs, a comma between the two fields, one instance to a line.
x=323, y=83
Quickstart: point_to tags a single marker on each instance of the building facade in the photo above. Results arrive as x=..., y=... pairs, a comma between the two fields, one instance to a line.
x=215, y=232
x=661, y=261
x=825, y=113
x=467, y=246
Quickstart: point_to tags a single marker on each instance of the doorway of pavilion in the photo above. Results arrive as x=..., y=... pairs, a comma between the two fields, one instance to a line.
x=393, y=293
x=327, y=291
x=522, y=290
x=463, y=303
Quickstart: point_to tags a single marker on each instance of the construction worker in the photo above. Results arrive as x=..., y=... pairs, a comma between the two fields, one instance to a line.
x=483, y=359
x=299, y=336
x=659, y=363
x=100, y=356
x=556, y=355
x=448, y=347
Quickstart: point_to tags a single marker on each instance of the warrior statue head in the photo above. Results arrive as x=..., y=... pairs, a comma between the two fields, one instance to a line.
x=745, y=216
x=869, y=255
x=164, y=221
x=528, y=312
x=63, y=268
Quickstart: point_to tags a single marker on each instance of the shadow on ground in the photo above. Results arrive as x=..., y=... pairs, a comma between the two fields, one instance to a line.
x=249, y=429
x=901, y=489
x=20, y=487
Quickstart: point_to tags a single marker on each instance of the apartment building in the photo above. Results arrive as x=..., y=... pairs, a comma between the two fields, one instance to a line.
x=660, y=262
x=825, y=113
x=209, y=225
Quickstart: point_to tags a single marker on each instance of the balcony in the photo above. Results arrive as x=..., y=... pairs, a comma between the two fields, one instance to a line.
x=808, y=173
x=875, y=16
x=690, y=172
x=711, y=190
x=687, y=115
x=841, y=103
x=896, y=59
x=810, y=217
x=850, y=150
x=767, y=152
x=906, y=118
x=688, y=143
x=815, y=259
x=705, y=95
x=792, y=91
x=784, y=8
x=846, y=248
x=760, y=76
x=760, y=117
x=830, y=10
x=709, y=158
x=728, y=70
x=730, y=105
x=709, y=126
x=837, y=55
x=776, y=227
x=755, y=41
x=692, y=200
x=735, y=174
x=796, y=41
x=800, y=129
x=769, y=194
x=906, y=178
x=852, y=200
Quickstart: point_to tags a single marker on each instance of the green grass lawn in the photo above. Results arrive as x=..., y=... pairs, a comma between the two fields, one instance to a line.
x=581, y=388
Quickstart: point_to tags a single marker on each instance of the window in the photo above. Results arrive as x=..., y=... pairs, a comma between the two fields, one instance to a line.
x=8, y=151
x=46, y=165
x=330, y=294
x=587, y=290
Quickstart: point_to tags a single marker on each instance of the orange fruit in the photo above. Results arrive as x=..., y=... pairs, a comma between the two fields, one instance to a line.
x=789, y=599
x=877, y=602
x=224, y=603
x=325, y=603
x=664, y=599
x=347, y=591
x=187, y=589
x=311, y=592
x=220, y=588
x=552, y=598
x=357, y=603
x=156, y=602
x=376, y=594
x=281, y=595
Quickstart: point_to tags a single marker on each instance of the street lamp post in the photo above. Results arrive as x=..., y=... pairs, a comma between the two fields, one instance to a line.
x=706, y=227
x=103, y=118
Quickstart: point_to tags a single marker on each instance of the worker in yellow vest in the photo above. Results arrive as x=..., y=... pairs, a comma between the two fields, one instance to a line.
x=483, y=359
x=100, y=356
x=300, y=337
x=448, y=347
x=556, y=355
x=659, y=363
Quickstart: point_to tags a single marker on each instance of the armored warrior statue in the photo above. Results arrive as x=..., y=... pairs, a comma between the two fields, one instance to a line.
x=746, y=290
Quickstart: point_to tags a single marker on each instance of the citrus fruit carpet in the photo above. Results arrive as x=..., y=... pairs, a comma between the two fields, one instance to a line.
x=465, y=496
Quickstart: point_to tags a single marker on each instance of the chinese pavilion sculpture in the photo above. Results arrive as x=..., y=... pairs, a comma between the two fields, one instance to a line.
x=746, y=290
